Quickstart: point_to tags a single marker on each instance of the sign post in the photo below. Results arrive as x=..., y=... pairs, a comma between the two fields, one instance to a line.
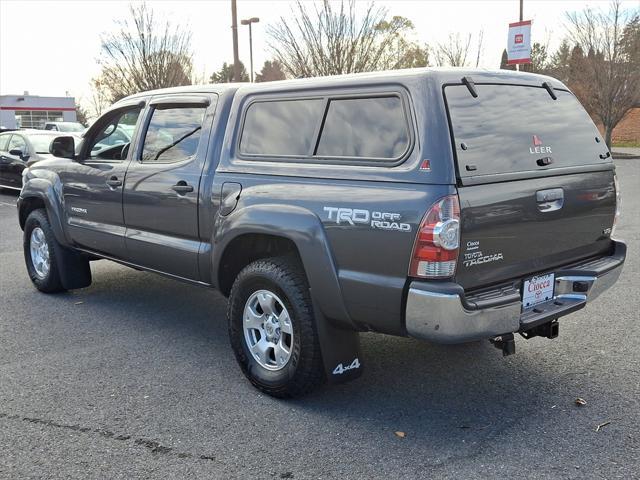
x=519, y=43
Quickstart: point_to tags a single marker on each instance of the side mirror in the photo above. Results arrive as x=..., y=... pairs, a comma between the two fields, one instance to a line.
x=64, y=147
x=16, y=152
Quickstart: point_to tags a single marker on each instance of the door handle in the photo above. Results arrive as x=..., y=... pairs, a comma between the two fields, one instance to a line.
x=182, y=187
x=550, y=200
x=113, y=182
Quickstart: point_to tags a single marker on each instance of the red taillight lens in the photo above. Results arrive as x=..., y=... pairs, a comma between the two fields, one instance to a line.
x=435, y=252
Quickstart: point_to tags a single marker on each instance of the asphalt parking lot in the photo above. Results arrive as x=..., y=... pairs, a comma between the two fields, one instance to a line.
x=133, y=377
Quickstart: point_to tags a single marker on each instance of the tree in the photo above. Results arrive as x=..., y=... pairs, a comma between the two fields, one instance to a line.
x=454, y=52
x=144, y=54
x=503, y=61
x=560, y=61
x=539, y=59
x=225, y=74
x=608, y=83
x=99, y=100
x=328, y=40
x=81, y=114
x=271, y=71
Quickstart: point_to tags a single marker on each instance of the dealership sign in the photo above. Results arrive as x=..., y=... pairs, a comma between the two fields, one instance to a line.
x=519, y=43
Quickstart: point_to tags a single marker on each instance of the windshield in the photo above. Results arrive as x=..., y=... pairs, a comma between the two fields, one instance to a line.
x=70, y=127
x=41, y=143
x=511, y=128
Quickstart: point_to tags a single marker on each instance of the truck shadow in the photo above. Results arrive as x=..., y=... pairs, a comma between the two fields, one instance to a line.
x=429, y=391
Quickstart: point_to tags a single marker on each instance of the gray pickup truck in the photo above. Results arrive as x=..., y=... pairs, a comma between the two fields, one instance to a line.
x=445, y=205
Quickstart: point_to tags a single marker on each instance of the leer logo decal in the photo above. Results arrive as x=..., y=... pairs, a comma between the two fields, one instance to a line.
x=537, y=146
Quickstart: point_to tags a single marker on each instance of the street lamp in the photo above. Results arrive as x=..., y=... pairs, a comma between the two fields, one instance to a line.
x=249, y=21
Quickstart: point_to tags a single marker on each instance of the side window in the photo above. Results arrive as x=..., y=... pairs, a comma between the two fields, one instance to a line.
x=4, y=141
x=50, y=126
x=112, y=141
x=17, y=143
x=281, y=128
x=173, y=133
x=373, y=127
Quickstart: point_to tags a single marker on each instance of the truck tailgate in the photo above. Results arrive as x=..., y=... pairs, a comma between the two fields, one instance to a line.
x=509, y=231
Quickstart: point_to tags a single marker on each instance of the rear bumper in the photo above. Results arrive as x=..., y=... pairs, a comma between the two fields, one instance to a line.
x=442, y=313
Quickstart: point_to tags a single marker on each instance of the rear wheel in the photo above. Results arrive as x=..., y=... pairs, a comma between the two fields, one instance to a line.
x=272, y=328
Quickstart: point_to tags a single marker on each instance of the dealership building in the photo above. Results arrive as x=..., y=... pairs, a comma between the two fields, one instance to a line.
x=32, y=111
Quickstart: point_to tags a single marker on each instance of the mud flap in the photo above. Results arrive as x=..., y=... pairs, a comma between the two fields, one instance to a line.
x=340, y=350
x=74, y=269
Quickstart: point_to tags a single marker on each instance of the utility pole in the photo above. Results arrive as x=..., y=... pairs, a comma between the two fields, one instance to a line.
x=234, y=30
x=521, y=18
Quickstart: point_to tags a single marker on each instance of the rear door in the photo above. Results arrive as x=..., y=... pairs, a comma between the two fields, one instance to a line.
x=161, y=190
x=536, y=181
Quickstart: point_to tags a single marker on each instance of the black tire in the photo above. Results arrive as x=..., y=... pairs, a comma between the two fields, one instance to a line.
x=304, y=370
x=50, y=283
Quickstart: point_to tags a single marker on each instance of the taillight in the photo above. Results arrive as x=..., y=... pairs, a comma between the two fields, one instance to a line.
x=435, y=252
x=618, y=204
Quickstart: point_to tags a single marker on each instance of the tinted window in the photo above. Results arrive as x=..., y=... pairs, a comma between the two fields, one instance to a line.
x=4, y=140
x=281, y=127
x=364, y=127
x=109, y=143
x=509, y=128
x=173, y=134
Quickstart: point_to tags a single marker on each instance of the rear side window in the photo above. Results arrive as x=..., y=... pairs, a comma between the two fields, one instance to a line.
x=510, y=128
x=281, y=128
x=364, y=128
x=173, y=134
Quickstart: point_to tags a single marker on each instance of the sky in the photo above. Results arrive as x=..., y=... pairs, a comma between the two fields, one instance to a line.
x=51, y=47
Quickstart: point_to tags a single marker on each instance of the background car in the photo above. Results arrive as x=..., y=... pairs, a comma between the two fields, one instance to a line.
x=21, y=148
x=67, y=127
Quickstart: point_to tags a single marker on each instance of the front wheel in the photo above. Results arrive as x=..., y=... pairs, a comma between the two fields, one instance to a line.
x=272, y=328
x=40, y=249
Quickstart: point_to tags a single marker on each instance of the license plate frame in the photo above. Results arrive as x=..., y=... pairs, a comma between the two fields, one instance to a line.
x=537, y=289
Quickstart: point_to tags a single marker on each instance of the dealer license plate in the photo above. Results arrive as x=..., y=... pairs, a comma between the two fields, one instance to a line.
x=537, y=290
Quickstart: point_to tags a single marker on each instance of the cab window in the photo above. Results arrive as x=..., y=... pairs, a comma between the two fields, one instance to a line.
x=112, y=141
x=173, y=133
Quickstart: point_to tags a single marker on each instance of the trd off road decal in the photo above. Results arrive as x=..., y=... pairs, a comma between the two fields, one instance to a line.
x=375, y=219
x=474, y=256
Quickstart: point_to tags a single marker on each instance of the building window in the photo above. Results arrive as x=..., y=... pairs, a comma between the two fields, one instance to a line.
x=37, y=118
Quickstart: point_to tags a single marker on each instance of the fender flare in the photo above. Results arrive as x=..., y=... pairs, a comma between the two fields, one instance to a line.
x=305, y=230
x=45, y=190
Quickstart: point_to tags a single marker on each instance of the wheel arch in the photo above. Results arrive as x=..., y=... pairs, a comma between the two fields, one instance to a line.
x=41, y=193
x=260, y=231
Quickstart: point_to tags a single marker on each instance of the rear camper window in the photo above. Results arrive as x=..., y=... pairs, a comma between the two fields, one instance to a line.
x=280, y=128
x=509, y=128
x=364, y=128
x=340, y=129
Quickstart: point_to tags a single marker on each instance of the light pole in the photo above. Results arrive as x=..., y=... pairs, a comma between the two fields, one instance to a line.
x=249, y=21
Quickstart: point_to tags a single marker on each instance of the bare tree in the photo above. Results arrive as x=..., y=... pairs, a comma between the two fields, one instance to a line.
x=609, y=81
x=99, y=100
x=144, y=54
x=320, y=39
x=454, y=51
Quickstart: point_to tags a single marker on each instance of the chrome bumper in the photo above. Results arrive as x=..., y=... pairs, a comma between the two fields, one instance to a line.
x=434, y=314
